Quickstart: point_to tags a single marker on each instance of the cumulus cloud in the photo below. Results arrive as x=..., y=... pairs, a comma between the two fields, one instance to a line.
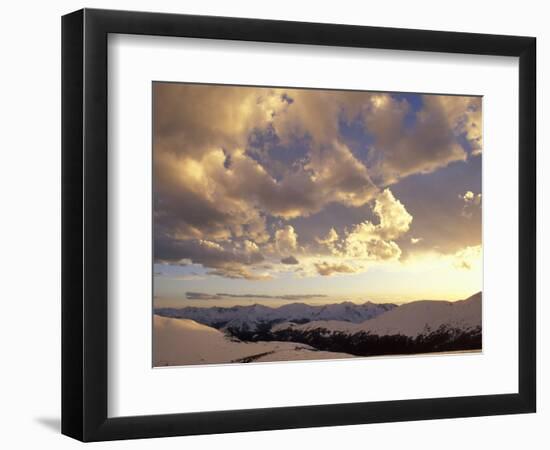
x=394, y=218
x=331, y=241
x=367, y=240
x=286, y=239
x=376, y=242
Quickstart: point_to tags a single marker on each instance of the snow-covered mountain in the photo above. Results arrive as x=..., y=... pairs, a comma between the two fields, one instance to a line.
x=254, y=317
x=416, y=327
x=179, y=342
x=411, y=319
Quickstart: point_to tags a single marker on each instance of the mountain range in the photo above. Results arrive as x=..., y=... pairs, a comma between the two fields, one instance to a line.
x=254, y=317
x=302, y=331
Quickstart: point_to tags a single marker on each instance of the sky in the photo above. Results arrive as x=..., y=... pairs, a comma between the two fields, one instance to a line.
x=277, y=195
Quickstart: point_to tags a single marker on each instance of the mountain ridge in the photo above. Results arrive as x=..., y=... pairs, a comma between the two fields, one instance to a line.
x=410, y=319
x=417, y=327
x=257, y=315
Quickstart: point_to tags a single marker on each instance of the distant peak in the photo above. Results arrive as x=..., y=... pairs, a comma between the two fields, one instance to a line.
x=475, y=297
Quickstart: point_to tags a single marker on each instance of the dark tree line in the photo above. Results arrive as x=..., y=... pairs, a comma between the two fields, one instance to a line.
x=365, y=344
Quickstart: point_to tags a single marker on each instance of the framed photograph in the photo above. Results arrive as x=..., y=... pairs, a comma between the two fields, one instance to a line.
x=273, y=225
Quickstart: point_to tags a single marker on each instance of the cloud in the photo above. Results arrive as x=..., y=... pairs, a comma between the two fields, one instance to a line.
x=394, y=218
x=250, y=247
x=367, y=240
x=331, y=241
x=470, y=198
x=434, y=140
x=316, y=112
x=227, y=262
x=286, y=239
x=464, y=115
x=200, y=160
x=326, y=269
x=415, y=240
x=290, y=260
x=376, y=242
x=200, y=296
x=329, y=175
x=472, y=203
x=243, y=259
x=237, y=271
x=190, y=119
x=201, y=133
x=192, y=200
x=468, y=257
x=227, y=194
x=330, y=238
x=401, y=150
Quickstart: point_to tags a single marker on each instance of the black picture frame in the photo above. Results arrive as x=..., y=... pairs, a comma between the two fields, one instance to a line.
x=84, y=224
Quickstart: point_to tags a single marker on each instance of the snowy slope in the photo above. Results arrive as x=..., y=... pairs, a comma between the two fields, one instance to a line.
x=186, y=342
x=411, y=319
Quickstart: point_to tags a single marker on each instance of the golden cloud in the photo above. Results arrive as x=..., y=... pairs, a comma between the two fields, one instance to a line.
x=326, y=269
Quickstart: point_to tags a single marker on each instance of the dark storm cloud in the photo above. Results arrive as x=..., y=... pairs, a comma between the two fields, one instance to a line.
x=290, y=260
